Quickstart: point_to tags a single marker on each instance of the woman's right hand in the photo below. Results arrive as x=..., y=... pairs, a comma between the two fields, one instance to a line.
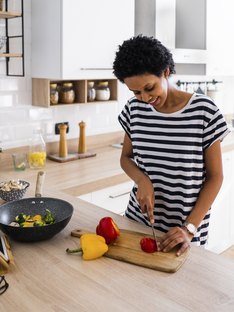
x=145, y=197
x=145, y=192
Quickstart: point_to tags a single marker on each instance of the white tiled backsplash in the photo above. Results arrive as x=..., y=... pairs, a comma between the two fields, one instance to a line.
x=18, y=117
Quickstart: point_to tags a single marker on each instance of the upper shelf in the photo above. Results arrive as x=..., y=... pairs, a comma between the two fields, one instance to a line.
x=11, y=54
x=4, y=14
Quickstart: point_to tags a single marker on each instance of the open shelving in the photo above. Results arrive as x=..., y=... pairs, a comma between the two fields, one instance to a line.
x=8, y=53
x=41, y=91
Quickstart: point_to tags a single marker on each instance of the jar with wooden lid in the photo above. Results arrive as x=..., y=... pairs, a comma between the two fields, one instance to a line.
x=91, y=92
x=67, y=93
x=102, y=91
x=54, y=94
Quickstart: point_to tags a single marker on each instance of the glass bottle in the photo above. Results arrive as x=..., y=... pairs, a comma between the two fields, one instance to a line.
x=102, y=91
x=54, y=95
x=91, y=92
x=37, y=151
x=67, y=93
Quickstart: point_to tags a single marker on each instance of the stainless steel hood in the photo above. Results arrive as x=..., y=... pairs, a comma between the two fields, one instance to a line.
x=179, y=24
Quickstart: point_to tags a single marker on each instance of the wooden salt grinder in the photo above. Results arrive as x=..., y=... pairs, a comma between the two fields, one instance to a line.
x=63, y=141
x=82, y=141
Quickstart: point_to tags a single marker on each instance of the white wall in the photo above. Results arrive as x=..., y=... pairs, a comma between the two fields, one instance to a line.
x=18, y=117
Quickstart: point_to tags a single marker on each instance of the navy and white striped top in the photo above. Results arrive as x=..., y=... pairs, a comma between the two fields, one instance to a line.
x=169, y=148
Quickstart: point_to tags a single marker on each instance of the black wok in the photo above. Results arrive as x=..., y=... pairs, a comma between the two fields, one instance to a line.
x=61, y=209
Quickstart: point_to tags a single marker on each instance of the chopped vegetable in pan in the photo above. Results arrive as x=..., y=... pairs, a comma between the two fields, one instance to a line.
x=23, y=220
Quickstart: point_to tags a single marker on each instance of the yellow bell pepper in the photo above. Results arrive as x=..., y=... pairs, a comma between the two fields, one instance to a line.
x=92, y=246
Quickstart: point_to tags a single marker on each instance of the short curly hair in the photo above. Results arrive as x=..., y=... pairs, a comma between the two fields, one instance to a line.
x=141, y=54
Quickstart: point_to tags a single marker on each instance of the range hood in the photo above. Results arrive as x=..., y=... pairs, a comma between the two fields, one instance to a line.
x=179, y=24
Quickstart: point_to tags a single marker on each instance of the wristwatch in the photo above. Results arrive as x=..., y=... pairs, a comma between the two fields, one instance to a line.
x=191, y=228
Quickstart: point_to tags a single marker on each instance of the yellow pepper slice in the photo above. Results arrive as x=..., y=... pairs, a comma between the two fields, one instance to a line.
x=93, y=246
x=27, y=224
x=37, y=218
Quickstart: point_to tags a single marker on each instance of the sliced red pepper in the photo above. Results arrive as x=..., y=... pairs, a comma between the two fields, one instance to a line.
x=108, y=229
x=148, y=244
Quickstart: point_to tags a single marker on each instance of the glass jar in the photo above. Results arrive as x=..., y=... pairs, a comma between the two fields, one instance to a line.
x=102, y=91
x=1, y=5
x=37, y=151
x=54, y=94
x=67, y=93
x=91, y=92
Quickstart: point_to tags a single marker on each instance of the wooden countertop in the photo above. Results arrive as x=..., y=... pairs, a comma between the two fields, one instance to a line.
x=47, y=279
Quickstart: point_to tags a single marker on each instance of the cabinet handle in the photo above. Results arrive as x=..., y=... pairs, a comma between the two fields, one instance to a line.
x=119, y=194
x=86, y=68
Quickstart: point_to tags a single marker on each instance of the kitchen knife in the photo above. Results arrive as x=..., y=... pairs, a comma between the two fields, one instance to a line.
x=153, y=230
x=155, y=238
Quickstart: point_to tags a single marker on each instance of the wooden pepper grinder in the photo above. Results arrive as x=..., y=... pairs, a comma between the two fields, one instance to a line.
x=63, y=141
x=82, y=141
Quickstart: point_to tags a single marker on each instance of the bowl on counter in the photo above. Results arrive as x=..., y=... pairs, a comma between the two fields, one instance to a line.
x=13, y=190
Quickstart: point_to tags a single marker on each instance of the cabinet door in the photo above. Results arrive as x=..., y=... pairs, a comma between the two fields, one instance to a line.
x=46, y=39
x=92, y=31
x=220, y=43
x=114, y=198
x=221, y=221
x=74, y=39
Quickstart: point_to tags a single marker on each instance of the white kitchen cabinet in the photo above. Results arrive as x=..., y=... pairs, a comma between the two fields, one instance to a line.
x=77, y=38
x=221, y=233
x=220, y=41
x=179, y=24
x=114, y=198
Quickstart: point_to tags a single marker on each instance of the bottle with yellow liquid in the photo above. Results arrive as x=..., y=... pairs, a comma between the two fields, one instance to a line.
x=37, y=151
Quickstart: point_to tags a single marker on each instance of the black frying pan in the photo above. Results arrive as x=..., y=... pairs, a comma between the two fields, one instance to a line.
x=61, y=209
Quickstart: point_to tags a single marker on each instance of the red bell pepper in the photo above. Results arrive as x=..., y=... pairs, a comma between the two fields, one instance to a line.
x=148, y=244
x=108, y=229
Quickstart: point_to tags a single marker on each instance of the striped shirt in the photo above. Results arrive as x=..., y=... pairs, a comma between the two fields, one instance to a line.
x=169, y=148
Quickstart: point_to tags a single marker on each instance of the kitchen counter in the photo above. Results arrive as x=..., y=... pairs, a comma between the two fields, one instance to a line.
x=45, y=278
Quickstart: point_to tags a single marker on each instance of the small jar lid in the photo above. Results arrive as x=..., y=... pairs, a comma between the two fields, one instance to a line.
x=67, y=84
x=91, y=84
x=53, y=85
x=102, y=84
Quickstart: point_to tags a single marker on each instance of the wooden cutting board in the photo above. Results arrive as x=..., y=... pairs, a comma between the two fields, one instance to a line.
x=127, y=248
x=70, y=157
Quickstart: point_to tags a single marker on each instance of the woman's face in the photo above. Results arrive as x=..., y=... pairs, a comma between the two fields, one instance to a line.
x=149, y=88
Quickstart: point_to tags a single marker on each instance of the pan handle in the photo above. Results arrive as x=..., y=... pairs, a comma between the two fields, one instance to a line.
x=39, y=184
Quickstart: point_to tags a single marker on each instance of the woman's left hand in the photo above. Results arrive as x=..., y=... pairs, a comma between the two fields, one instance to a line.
x=175, y=236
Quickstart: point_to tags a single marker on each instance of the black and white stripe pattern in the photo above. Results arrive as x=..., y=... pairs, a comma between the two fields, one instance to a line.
x=169, y=148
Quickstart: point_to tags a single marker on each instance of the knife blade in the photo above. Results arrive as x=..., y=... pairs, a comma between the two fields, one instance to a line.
x=155, y=238
x=153, y=231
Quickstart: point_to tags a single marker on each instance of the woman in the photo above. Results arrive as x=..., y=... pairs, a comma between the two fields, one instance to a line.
x=171, y=146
